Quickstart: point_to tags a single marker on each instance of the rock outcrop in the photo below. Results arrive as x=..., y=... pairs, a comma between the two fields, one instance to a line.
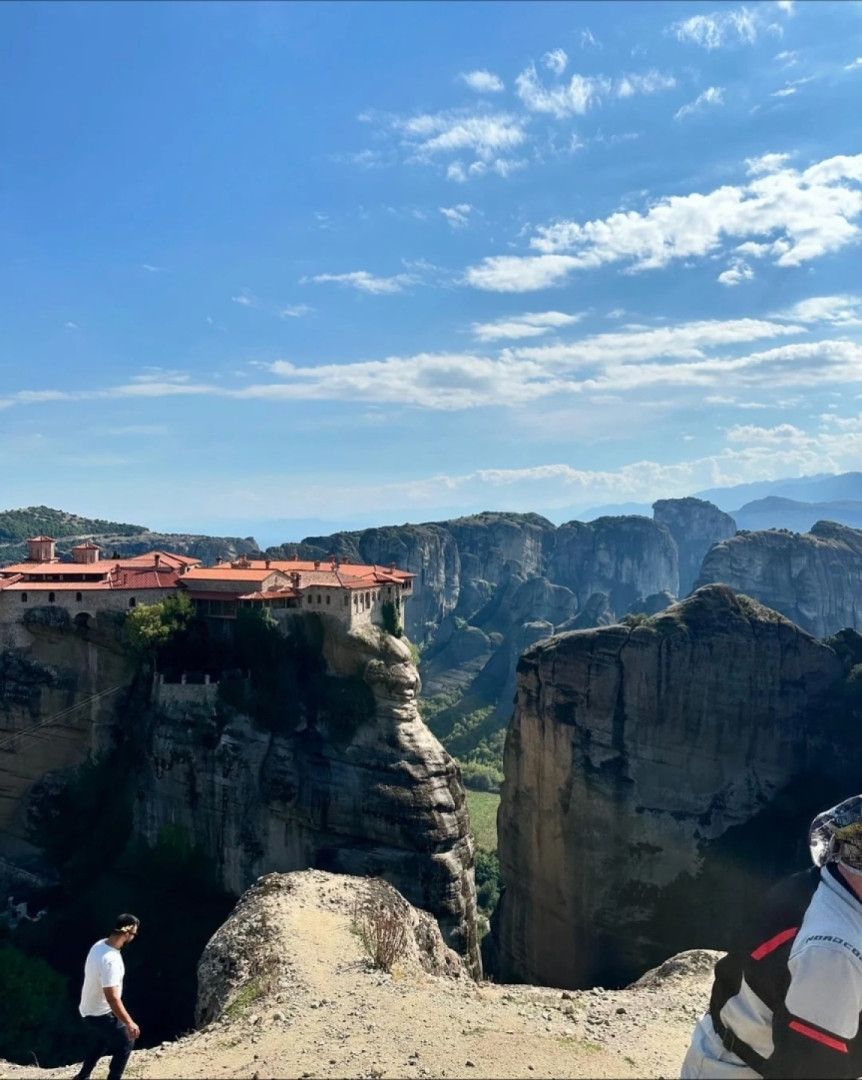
x=347, y=779
x=625, y=557
x=653, y=777
x=695, y=525
x=815, y=578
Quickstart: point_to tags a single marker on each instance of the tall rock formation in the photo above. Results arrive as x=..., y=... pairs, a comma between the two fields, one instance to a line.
x=653, y=777
x=695, y=525
x=625, y=557
x=341, y=775
x=815, y=578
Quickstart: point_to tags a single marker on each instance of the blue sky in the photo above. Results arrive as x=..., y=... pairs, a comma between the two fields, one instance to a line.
x=384, y=262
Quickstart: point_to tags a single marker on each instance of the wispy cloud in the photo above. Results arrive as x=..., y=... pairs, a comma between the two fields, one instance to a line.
x=71, y=326
x=295, y=311
x=555, y=61
x=806, y=214
x=151, y=269
x=368, y=283
x=719, y=28
x=857, y=63
x=737, y=272
x=588, y=41
x=483, y=82
x=245, y=299
x=457, y=216
x=529, y=325
x=584, y=92
x=788, y=58
x=713, y=95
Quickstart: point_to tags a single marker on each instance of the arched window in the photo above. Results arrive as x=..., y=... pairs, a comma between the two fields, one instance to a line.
x=132, y=601
x=368, y=599
x=310, y=598
x=319, y=598
x=328, y=598
x=23, y=598
x=79, y=597
x=50, y=598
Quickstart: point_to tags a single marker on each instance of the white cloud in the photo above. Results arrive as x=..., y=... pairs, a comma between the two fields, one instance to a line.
x=759, y=436
x=785, y=92
x=517, y=273
x=713, y=95
x=531, y=324
x=151, y=269
x=651, y=82
x=584, y=92
x=431, y=135
x=841, y=310
x=71, y=326
x=718, y=28
x=737, y=272
x=366, y=282
x=857, y=63
x=483, y=82
x=588, y=41
x=814, y=212
x=457, y=216
x=788, y=57
x=787, y=6
x=245, y=299
x=294, y=311
x=555, y=61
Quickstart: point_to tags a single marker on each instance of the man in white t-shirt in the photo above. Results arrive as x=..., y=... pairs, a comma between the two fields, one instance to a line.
x=113, y=1030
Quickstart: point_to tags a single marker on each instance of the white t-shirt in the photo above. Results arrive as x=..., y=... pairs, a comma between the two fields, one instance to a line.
x=104, y=967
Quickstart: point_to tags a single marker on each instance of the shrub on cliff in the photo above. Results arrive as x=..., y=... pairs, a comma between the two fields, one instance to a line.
x=35, y=1018
x=149, y=627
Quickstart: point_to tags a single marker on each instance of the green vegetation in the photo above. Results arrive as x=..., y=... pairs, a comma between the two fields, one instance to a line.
x=151, y=628
x=247, y=995
x=18, y=525
x=33, y=997
x=639, y=619
x=487, y=880
x=391, y=622
x=482, y=807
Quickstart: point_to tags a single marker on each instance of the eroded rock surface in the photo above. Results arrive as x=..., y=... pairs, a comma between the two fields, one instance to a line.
x=653, y=777
x=813, y=578
x=695, y=525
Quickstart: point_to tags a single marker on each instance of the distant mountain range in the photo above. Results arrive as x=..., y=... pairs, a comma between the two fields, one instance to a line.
x=772, y=504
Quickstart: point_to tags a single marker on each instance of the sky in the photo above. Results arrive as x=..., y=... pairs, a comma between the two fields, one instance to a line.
x=379, y=262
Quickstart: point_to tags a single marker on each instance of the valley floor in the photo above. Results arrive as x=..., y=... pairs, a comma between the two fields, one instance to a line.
x=335, y=1016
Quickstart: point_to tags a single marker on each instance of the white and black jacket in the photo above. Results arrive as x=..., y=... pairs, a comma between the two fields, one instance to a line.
x=788, y=1001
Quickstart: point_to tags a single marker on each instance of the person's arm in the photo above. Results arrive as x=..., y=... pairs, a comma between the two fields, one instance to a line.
x=112, y=996
x=812, y=1031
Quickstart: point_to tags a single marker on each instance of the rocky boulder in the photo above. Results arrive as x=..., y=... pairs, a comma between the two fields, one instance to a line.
x=695, y=525
x=815, y=578
x=654, y=777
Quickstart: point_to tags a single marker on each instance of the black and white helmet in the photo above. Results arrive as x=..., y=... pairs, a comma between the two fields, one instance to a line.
x=835, y=835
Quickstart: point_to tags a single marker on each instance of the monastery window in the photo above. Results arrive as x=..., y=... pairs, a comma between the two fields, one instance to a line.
x=328, y=598
x=50, y=598
x=309, y=598
x=368, y=599
x=347, y=601
x=79, y=597
x=132, y=601
x=23, y=598
x=319, y=598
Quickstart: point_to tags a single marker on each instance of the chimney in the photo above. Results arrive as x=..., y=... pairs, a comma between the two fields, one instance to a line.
x=392, y=566
x=267, y=563
x=218, y=560
x=317, y=564
x=158, y=558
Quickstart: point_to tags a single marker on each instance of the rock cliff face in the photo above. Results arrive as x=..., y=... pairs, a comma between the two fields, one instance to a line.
x=357, y=785
x=815, y=579
x=653, y=777
x=695, y=525
x=625, y=557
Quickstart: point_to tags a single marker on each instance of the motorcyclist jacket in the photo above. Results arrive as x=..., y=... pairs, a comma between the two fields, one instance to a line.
x=788, y=1000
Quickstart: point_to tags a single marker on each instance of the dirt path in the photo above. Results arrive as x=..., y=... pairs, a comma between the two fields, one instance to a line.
x=334, y=1016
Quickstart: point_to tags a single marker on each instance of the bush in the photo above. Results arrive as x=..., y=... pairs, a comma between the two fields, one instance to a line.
x=481, y=777
x=381, y=927
x=391, y=621
x=639, y=618
x=487, y=880
x=150, y=627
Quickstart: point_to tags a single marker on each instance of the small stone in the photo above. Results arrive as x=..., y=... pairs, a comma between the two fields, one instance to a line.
x=470, y=1064
x=566, y=995
x=621, y=1011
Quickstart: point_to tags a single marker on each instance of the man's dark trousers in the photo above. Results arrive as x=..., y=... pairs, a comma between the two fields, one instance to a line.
x=109, y=1036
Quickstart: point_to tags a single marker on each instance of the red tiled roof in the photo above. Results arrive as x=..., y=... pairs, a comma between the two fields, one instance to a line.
x=270, y=594
x=87, y=546
x=327, y=566
x=226, y=573
x=56, y=567
x=34, y=538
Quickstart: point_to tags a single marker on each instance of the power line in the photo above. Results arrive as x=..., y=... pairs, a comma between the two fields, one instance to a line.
x=30, y=732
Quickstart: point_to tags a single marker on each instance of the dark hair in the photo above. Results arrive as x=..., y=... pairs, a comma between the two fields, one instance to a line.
x=125, y=922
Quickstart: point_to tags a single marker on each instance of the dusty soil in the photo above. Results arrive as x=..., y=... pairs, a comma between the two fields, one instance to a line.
x=329, y=1013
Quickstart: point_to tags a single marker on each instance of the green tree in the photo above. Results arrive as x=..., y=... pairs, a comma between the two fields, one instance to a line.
x=149, y=627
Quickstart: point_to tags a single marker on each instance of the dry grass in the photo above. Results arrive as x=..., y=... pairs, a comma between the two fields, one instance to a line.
x=380, y=925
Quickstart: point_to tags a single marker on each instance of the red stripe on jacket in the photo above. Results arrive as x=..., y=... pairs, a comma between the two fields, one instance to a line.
x=774, y=942
x=818, y=1036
